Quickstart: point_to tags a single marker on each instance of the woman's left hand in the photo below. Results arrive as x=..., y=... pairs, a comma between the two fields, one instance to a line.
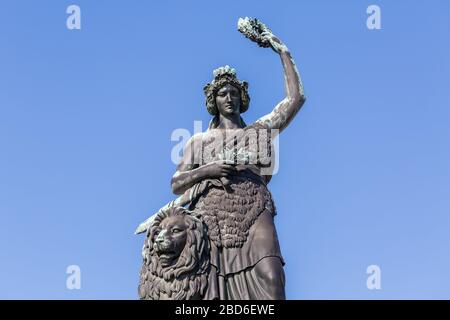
x=277, y=45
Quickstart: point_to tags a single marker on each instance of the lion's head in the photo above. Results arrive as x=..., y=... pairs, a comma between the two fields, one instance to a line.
x=176, y=257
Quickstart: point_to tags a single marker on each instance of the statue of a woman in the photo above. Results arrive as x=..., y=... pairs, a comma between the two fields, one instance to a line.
x=231, y=195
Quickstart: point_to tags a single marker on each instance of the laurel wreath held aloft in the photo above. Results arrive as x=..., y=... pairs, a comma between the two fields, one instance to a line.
x=252, y=28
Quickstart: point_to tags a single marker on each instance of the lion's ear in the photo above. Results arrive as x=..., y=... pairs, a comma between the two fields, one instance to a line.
x=197, y=216
x=189, y=212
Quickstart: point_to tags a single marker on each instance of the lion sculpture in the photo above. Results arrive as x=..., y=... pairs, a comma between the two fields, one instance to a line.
x=176, y=257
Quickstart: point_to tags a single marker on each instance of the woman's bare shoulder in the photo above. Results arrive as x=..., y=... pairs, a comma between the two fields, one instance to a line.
x=197, y=137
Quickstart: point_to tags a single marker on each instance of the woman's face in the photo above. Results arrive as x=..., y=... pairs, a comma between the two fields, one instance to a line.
x=228, y=100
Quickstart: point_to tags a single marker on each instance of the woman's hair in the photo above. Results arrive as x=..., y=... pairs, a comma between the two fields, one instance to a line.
x=222, y=76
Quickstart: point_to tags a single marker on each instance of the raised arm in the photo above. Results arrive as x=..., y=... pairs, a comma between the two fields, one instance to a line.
x=285, y=111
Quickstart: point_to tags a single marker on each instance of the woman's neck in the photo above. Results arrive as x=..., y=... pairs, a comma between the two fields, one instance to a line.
x=233, y=122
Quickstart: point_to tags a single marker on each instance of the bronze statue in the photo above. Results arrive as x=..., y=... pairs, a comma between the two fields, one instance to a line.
x=223, y=179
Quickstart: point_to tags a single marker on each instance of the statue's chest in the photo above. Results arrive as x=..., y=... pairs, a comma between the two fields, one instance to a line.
x=242, y=146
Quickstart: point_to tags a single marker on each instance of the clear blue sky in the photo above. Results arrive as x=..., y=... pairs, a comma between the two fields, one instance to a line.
x=86, y=118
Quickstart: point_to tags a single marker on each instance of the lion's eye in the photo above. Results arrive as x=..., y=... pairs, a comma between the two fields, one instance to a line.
x=176, y=230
